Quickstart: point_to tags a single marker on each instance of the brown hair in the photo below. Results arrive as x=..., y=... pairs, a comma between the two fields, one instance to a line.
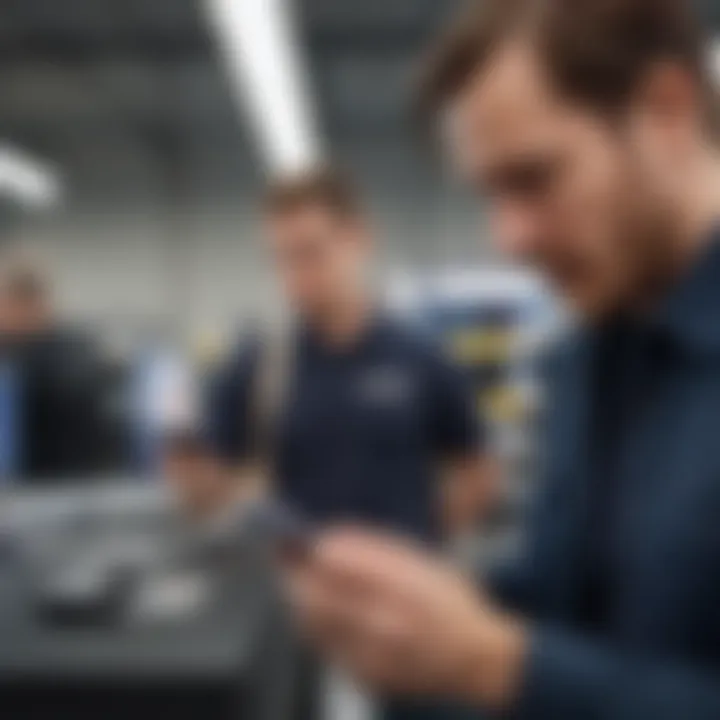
x=324, y=186
x=596, y=51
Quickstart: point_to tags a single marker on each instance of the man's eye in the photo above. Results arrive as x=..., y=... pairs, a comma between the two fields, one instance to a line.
x=525, y=180
x=529, y=180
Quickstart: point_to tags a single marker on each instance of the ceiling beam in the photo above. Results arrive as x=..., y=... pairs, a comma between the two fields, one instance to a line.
x=136, y=48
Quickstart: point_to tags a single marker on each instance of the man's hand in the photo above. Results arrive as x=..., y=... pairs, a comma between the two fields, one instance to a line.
x=404, y=622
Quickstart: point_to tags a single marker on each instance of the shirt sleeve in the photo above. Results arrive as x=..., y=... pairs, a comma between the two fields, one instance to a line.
x=228, y=404
x=455, y=426
x=571, y=677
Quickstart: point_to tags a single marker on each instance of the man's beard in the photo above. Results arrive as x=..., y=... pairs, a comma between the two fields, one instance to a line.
x=653, y=257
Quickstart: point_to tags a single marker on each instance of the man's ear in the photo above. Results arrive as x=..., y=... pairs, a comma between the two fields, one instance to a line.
x=672, y=98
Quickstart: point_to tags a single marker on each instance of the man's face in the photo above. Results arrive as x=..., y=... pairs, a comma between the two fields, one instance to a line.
x=570, y=194
x=22, y=315
x=319, y=254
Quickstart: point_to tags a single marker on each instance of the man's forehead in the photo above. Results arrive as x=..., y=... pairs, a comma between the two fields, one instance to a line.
x=508, y=107
x=315, y=218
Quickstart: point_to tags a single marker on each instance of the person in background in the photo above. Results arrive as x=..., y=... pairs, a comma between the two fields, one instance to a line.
x=372, y=414
x=57, y=371
x=374, y=419
x=591, y=128
x=25, y=304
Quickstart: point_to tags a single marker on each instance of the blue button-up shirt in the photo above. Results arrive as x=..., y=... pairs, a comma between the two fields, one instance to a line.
x=646, y=521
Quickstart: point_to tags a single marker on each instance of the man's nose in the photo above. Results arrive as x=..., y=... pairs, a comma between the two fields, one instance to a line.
x=518, y=231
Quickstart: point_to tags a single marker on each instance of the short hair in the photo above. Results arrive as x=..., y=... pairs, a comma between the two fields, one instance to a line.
x=326, y=186
x=23, y=276
x=596, y=51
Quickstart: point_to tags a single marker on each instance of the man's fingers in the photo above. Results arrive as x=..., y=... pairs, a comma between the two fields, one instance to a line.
x=311, y=600
x=358, y=562
x=380, y=657
x=325, y=609
x=392, y=615
x=336, y=617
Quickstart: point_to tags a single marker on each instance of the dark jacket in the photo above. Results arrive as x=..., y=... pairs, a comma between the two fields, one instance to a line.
x=60, y=414
x=658, y=654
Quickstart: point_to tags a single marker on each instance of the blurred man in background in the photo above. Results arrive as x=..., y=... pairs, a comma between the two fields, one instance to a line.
x=58, y=404
x=373, y=418
x=591, y=127
x=371, y=414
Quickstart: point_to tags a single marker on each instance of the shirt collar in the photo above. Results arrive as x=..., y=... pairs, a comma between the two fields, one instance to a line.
x=690, y=313
x=311, y=340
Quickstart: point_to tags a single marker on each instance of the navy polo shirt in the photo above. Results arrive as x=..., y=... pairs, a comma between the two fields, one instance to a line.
x=363, y=430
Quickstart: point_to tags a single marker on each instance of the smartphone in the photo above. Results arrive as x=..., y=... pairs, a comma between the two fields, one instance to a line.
x=285, y=529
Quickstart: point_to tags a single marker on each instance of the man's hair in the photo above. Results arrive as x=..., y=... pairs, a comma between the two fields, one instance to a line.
x=596, y=51
x=325, y=186
x=23, y=276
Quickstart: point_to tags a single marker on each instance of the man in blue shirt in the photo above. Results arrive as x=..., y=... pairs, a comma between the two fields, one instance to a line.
x=590, y=126
x=371, y=414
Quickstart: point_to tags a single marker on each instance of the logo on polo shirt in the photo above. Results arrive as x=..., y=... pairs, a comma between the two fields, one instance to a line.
x=387, y=386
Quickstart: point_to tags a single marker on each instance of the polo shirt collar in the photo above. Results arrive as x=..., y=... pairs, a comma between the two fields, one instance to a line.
x=313, y=342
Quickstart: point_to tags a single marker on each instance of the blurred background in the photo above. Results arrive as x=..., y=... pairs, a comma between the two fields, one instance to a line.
x=151, y=121
x=136, y=137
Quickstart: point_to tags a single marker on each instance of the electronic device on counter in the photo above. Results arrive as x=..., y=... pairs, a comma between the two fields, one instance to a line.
x=112, y=611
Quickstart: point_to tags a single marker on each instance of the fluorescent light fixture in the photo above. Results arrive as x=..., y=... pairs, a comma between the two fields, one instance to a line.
x=28, y=180
x=266, y=68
